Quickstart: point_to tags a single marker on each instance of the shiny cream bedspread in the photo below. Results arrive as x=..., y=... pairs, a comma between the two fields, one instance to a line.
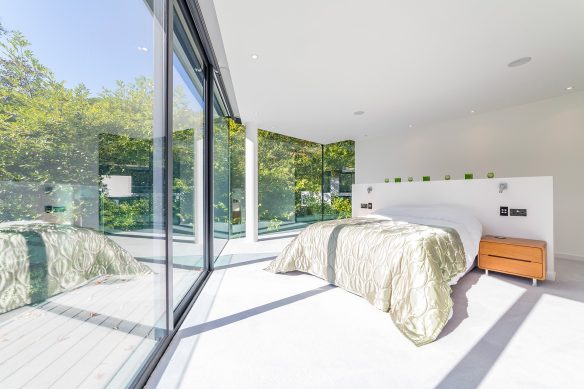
x=398, y=267
x=39, y=260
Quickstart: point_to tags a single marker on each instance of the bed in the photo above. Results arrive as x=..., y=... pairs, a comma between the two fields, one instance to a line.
x=402, y=260
x=39, y=260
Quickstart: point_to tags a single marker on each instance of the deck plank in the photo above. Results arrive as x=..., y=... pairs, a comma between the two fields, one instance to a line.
x=46, y=328
x=108, y=367
x=48, y=341
x=83, y=337
x=27, y=323
x=113, y=353
x=107, y=336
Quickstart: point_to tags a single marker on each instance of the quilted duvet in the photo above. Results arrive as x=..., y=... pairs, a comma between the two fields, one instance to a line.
x=39, y=260
x=399, y=267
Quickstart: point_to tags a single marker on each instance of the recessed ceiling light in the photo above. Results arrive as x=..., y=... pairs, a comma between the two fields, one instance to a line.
x=519, y=62
x=142, y=48
x=254, y=56
x=411, y=125
x=358, y=113
x=472, y=111
x=568, y=88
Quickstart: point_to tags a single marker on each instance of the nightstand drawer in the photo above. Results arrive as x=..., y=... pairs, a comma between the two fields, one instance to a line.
x=511, y=266
x=532, y=254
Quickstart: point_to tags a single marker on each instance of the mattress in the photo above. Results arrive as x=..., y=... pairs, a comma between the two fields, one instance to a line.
x=469, y=228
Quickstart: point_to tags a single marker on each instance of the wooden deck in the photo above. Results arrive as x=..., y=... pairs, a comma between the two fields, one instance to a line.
x=97, y=334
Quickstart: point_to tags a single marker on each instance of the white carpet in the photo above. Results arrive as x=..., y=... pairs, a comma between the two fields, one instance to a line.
x=254, y=329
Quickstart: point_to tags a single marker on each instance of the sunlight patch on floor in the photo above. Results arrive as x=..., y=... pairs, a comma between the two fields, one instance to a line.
x=554, y=327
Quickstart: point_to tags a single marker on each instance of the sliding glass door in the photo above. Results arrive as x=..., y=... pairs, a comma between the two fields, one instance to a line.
x=188, y=167
x=106, y=191
x=82, y=191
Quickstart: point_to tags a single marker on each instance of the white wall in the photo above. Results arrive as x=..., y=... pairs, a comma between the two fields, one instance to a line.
x=545, y=138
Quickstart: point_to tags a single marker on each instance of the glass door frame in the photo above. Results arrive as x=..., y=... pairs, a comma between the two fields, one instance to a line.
x=195, y=28
x=188, y=299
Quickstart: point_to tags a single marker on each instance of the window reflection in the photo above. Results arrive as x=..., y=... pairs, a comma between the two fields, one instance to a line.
x=82, y=249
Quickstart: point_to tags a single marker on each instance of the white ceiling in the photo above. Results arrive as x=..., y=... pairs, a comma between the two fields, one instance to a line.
x=402, y=62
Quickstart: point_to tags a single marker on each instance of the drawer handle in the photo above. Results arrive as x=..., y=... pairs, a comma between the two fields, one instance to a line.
x=513, y=259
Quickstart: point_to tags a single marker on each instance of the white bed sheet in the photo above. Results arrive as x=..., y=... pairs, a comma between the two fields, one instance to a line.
x=469, y=228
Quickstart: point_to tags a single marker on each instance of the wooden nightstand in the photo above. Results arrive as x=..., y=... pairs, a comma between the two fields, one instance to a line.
x=520, y=257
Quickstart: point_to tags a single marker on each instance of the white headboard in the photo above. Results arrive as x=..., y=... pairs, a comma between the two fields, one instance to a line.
x=482, y=196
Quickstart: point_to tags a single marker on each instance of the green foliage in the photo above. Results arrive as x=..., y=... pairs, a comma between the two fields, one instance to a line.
x=313, y=206
x=341, y=206
x=221, y=212
x=236, y=154
x=44, y=127
x=17, y=202
x=338, y=156
x=274, y=225
x=68, y=138
x=124, y=215
x=275, y=176
x=221, y=169
x=58, y=136
x=289, y=166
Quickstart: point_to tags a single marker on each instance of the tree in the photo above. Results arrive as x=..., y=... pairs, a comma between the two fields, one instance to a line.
x=53, y=136
x=45, y=132
x=61, y=142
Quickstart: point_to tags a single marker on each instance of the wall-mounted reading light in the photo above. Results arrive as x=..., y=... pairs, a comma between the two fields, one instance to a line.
x=502, y=186
x=369, y=189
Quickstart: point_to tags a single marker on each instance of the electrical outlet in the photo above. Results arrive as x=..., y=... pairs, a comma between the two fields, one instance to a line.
x=518, y=212
x=364, y=205
x=370, y=206
x=504, y=211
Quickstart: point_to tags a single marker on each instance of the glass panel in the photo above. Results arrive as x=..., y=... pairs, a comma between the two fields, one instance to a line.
x=237, y=178
x=275, y=182
x=221, y=195
x=339, y=173
x=308, y=182
x=289, y=182
x=82, y=226
x=188, y=163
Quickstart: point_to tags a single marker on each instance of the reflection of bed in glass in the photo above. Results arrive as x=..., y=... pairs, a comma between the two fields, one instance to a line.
x=40, y=260
x=82, y=268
